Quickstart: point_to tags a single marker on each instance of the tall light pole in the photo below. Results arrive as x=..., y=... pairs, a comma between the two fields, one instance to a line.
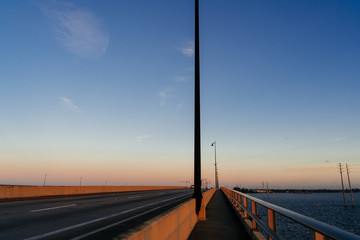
x=197, y=146
x=216, y=172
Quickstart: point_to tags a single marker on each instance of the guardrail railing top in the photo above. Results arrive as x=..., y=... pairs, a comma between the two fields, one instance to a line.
x=320, y=229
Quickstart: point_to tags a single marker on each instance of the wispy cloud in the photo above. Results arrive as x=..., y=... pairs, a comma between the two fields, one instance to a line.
x=179, y=107
x=188, y=49
x=78, y=30
x=339, y=139
x=164, y=95
x=181, y=79
x=69, y=104
x=140, y=138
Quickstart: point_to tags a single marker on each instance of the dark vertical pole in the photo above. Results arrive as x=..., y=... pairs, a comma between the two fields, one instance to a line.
x=45, y=179
x=352, y=198
x=197, y=146
x=342, y=184
x=216, y=172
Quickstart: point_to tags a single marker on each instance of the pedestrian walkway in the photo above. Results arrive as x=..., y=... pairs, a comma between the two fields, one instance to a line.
x=221, y=221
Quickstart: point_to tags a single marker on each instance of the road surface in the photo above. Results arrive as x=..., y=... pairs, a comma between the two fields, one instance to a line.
x=100, y=216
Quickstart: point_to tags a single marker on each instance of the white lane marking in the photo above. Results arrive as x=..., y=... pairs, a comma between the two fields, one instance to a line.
x=98, y=219
x=135, y=196
x=117, y=223
x=52, y=208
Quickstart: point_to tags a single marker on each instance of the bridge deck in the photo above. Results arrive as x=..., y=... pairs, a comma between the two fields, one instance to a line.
x=221, y=222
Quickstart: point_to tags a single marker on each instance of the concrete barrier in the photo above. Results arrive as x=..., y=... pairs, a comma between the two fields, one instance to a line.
x=16, y=192
x=176, y=224
x=206, y=198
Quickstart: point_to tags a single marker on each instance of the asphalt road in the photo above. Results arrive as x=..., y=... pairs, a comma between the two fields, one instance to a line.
x=101, y=216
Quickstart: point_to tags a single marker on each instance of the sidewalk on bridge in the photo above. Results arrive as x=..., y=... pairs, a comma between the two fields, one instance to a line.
x=221, y=221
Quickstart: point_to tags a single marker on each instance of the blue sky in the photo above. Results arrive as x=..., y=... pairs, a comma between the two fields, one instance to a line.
x=104, y=91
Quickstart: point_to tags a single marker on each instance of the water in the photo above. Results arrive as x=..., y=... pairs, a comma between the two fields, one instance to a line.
x=325, y=207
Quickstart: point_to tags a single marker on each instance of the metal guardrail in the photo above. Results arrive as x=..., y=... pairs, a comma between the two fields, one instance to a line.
x=319, y=230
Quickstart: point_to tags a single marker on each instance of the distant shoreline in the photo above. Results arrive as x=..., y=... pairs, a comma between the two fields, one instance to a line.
x=302, y=191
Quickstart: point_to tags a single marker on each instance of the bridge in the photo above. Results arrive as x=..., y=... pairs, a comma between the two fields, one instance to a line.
x=31, y=212
x=138, y=212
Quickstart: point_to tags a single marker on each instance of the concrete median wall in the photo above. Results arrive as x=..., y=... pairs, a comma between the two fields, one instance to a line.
x=16, y=192
x=177, y=224
x=206, y=198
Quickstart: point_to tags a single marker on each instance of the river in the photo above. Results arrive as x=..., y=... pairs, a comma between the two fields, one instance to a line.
x=325, y=207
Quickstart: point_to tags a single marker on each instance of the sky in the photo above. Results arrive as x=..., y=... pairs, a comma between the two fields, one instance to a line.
x=103, y=91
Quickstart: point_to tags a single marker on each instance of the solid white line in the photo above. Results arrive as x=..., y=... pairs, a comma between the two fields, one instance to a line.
x=98, y=219
x=52, y=208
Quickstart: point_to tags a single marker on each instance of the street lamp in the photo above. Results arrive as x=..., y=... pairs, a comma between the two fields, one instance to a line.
x=216, y=172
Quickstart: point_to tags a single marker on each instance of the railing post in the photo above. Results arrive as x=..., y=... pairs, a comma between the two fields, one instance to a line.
x=271, y=215
x=254, y=211
x=318, y=236
x=246, y=215
x=236, y=199
x=240, y=202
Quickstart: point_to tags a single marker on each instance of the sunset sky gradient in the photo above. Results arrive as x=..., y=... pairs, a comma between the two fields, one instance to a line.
x=103, y=90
